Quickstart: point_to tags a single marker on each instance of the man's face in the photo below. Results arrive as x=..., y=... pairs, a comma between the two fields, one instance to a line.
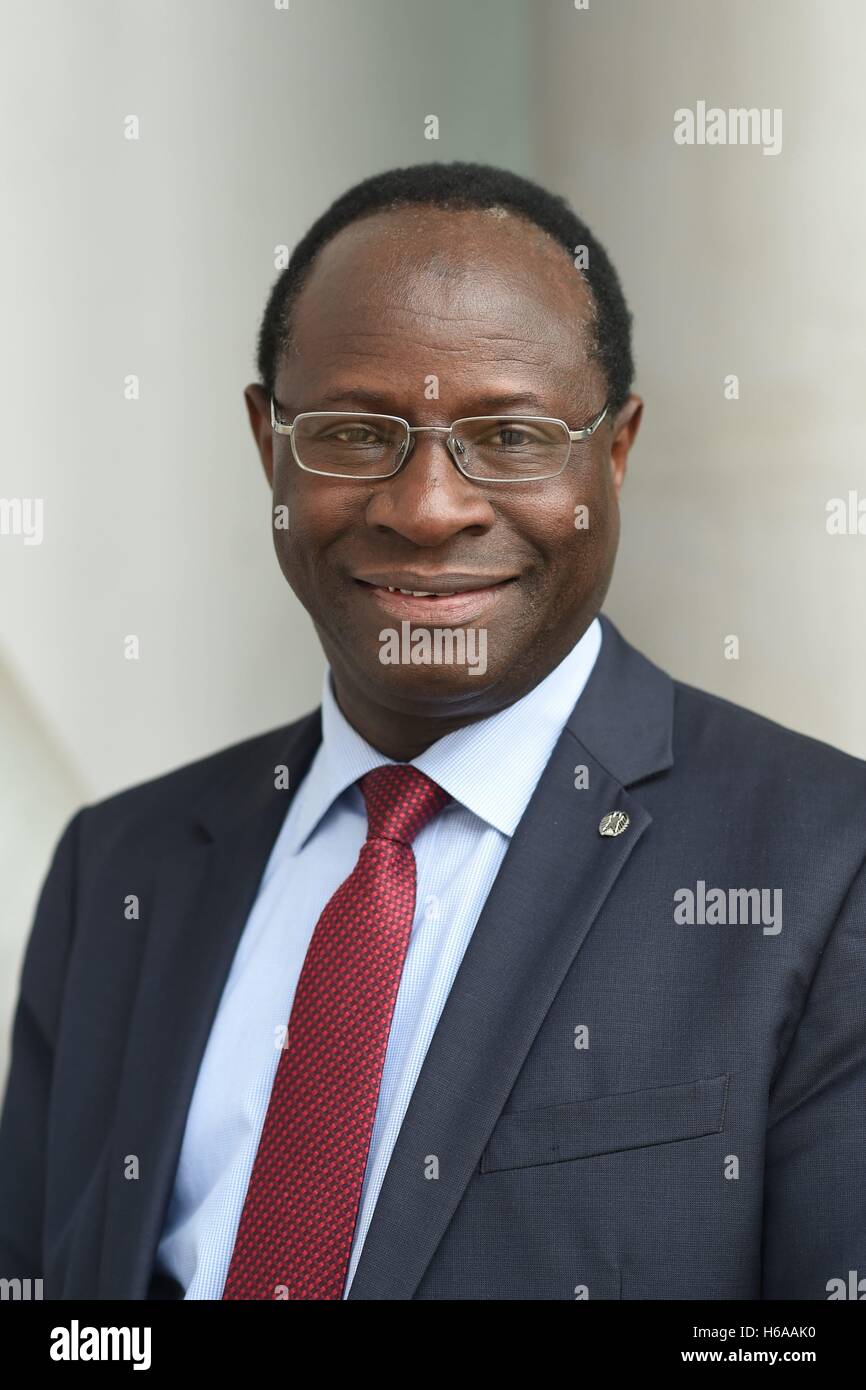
x=493, y=312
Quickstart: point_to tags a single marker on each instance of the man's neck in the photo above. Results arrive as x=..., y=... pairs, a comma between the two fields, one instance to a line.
x=400, y=737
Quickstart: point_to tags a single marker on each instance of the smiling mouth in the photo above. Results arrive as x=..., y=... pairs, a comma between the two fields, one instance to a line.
x=456, y=597
x=436, y=593
x=418, y=593
x=438, y=586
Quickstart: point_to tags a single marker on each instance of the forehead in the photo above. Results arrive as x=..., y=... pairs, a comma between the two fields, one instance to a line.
x=427, y=288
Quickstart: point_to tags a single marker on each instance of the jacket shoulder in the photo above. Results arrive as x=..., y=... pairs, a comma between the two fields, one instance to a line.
x=748, y=738
x=176, y=793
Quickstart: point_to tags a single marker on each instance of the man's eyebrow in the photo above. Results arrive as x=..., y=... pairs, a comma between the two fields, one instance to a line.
x=386, y=404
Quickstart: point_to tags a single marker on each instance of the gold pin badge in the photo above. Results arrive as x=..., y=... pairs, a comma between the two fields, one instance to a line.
x=614, y=823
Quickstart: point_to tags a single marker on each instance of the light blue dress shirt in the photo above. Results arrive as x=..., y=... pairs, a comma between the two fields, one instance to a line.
x=490, y=770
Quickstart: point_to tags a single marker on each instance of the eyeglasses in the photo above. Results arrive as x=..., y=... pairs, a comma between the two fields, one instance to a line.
x=485, y=448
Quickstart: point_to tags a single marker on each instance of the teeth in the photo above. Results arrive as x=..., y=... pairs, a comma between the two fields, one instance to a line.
x=416, y=593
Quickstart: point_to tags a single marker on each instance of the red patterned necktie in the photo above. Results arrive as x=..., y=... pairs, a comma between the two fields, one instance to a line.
x=295, y=1233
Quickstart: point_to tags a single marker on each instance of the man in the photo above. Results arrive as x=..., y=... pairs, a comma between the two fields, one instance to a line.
x=520, y=970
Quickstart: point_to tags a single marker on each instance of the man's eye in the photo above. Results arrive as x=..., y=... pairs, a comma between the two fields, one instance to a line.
x=510, y=437
x=353, y=434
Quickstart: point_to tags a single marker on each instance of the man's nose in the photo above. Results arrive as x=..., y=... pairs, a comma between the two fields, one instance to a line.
x=429, y=500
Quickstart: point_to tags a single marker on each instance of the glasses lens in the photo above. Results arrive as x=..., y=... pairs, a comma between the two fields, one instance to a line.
x=349, y=446
x=511, y=449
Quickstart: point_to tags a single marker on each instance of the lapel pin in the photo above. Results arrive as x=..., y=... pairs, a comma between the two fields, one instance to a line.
x=614, y=823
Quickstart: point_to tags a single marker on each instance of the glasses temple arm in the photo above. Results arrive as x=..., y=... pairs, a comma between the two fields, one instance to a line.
x=589, y=429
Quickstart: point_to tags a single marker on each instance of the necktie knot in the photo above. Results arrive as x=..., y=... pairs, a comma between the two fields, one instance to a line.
x=400, y=801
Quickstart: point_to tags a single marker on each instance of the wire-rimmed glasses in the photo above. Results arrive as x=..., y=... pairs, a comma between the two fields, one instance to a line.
x=485, y=448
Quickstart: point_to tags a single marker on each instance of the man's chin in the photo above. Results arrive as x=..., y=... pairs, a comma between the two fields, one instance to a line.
x=430, y=689
x=418, y=662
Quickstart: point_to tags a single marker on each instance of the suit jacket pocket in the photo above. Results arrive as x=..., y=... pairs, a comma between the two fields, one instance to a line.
x=606, y=1124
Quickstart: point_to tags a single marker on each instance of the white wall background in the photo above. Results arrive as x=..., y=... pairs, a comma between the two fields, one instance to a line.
x=733, y=262
x=155, y=257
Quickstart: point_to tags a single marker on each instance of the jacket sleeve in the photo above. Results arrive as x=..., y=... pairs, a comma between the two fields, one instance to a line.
x=24, y=1118
x=815, y=1174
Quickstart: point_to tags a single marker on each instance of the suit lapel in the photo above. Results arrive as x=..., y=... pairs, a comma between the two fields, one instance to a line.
x=204, y=891
x=554, y=879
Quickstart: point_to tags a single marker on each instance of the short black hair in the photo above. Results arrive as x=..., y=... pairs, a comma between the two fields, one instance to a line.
x=460, y=186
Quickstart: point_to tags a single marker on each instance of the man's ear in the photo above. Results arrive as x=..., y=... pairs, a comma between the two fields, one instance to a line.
x=259, y=412
x=625, y=428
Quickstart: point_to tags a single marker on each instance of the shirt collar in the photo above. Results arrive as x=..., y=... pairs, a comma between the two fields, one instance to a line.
x=490, y=767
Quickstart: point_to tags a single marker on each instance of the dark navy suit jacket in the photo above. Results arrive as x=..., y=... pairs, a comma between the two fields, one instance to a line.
x=623, y=1105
